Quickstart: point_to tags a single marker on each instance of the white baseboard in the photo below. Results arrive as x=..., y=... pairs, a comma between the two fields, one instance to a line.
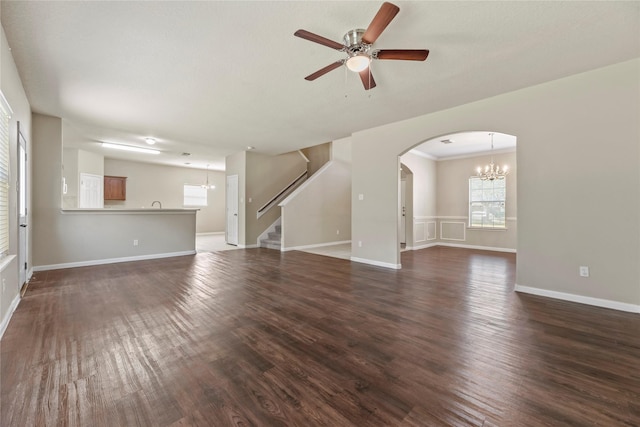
x=247, y=246
x=376, y=263
x=318, y=245
x=425, y=246
x=212, y=233
x=482, y=248
x=598, y=302
x=7, y=317
x=110, y=260
x=29, y=274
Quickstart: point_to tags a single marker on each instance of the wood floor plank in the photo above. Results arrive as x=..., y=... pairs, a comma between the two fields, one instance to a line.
x=262, y=338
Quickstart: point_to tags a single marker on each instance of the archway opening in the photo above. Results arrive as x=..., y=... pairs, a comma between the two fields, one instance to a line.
x=451, y=204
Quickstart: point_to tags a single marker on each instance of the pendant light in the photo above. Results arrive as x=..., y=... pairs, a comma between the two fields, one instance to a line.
x=207, y=185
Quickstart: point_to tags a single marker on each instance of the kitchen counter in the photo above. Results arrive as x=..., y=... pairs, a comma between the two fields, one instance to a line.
x=143, y=211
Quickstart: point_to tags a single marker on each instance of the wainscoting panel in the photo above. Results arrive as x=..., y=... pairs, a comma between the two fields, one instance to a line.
x=453, y=230
x=419, y=231
x=431, y=230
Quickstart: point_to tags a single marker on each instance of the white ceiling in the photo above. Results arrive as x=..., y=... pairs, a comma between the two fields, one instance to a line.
x=212, y=78
x=464, y=144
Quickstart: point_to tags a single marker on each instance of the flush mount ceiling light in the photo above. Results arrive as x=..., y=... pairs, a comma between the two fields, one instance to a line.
x=491, y=171
x=129, y=148
x=150, y=140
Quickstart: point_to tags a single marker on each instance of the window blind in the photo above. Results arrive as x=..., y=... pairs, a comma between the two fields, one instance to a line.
x=195, y=195
x=5, y=115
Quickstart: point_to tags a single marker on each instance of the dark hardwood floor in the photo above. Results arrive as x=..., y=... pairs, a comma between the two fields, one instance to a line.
x=259, y=338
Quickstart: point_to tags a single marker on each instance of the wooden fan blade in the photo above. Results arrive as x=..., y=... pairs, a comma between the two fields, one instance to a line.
x=324, y=70
x=367, y=79
x=384, y=16
x=403, y=54
x=303, y=34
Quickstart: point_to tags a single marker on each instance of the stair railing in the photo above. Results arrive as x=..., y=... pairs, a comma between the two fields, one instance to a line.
x=281, y=195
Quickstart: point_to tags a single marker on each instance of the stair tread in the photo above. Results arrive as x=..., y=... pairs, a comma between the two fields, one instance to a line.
x=273, y=240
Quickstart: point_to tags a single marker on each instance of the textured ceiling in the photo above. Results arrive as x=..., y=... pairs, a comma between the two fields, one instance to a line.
x=212, y=78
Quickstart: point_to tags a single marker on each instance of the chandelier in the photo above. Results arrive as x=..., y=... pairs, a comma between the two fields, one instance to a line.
x=207, y=185
x=491, y=171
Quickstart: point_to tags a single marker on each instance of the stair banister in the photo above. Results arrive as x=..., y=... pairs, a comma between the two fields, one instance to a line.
x=275, y=199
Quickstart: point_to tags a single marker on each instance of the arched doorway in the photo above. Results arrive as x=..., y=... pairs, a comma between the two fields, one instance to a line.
x=446, y=210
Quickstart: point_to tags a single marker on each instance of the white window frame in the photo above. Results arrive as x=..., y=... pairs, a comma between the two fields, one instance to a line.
x=5, y=175
x=485, y=209
x=194, y=195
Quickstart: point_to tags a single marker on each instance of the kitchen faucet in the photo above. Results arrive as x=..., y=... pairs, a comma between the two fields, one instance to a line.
x=158, y=202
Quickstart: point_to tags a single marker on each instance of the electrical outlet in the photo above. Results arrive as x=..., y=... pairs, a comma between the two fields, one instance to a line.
x=359, y=243
x=337, y=231
x=135, y=242
x=584, y=271
x=360, y=196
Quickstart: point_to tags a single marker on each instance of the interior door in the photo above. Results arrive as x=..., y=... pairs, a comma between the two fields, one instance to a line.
x=232, y=210
x=21, y=187
x=91, y=191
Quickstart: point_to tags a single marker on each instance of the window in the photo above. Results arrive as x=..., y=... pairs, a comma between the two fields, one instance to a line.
x=486, y=203
x=195, y=195
x=5, y=115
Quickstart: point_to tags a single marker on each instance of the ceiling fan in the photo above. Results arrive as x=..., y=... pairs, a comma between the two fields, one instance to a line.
x=357, y=44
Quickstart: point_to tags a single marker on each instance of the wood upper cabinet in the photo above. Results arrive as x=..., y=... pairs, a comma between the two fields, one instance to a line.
x=115, y=187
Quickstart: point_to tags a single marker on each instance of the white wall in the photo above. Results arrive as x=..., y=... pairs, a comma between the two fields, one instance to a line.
x=577, y=140
x=148, y=182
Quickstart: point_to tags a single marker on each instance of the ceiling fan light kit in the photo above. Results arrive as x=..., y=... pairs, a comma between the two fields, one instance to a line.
x=357, y=44
x=358, y=63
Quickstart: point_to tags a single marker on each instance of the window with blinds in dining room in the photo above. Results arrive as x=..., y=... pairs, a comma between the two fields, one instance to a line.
x=5, y=115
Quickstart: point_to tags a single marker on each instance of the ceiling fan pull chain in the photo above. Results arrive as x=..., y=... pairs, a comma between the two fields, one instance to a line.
x=346, y=78
x=370, y=74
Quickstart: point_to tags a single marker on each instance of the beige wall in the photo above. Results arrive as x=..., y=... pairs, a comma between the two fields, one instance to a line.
x=148, y=182
x=453, y=202
x=75, y=162
x=577, y=138
x=319, y=211
x=14, y=93
x=424, y=184
x=420, y=198
x=91, y=163
x=76, y=237
x=266, y=176
x=71, y=178
x=318, y=155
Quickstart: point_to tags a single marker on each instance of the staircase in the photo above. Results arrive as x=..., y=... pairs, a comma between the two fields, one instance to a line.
x=274, y=240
